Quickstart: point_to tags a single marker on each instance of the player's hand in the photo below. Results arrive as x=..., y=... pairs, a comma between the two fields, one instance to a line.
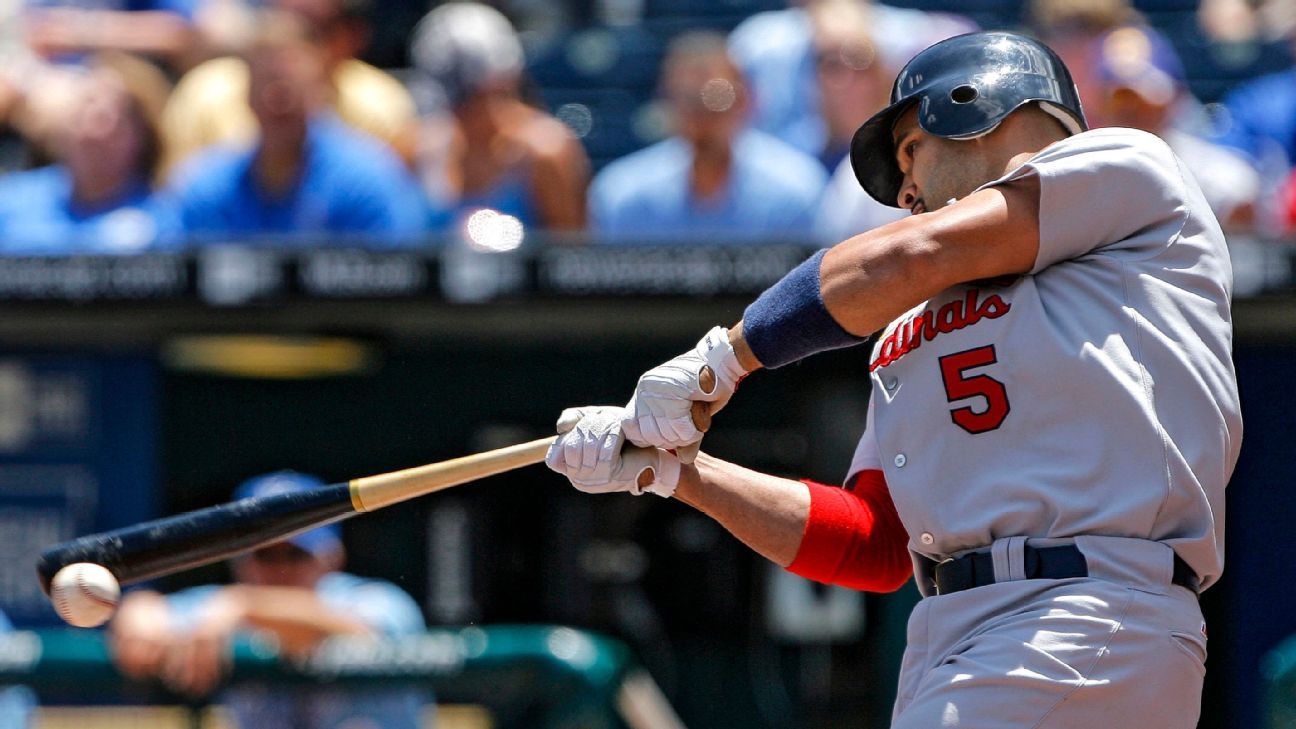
x=660, y=412
x=592, y=454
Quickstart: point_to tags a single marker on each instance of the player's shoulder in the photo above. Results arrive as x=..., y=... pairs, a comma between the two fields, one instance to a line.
x=39, y=181
x=1116, y=151
x=352, y=157
x=769, y=31
x=211, y=169
x=1109, y=139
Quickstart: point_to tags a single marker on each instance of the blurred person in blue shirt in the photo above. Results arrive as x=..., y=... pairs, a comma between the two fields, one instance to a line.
x=308, y=175
x=16, y=702
x=1141, y=84
x=99, y=196
x=780, y=60
x=292, y=592
x=715, y=180
x=1261, y=122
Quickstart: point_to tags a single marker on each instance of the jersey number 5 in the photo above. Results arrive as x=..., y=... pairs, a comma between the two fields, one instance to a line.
x=961, y=387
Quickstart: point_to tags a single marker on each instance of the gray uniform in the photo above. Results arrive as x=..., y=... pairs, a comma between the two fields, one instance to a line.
x=1091, y=402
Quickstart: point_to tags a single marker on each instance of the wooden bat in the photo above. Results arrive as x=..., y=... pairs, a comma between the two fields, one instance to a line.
x=196, y=538
x=184, y=541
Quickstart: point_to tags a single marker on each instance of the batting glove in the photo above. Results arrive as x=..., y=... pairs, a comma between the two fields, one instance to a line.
x=659, y=414
x=590, y=452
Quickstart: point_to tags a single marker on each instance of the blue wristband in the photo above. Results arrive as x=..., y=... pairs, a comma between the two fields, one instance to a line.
x=790, y=322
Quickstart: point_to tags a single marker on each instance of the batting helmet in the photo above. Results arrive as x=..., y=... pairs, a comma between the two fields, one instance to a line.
x=964, y=86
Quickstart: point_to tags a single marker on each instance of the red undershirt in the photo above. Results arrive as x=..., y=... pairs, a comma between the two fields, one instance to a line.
x=853, y=537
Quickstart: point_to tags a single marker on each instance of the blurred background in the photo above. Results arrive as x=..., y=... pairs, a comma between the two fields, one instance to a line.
x=309, y=240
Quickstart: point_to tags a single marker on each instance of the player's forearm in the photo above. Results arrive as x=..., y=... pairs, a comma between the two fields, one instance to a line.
x=764, y=512
x=871, y=279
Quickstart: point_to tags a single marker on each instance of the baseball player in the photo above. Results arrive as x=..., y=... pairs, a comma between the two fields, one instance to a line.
x=1054, y=411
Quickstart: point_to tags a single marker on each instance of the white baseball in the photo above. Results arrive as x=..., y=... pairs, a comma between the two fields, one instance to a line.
x=85, y=594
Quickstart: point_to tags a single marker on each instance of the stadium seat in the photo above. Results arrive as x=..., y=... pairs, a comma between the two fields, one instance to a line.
x=599, y=57
x=609, y=122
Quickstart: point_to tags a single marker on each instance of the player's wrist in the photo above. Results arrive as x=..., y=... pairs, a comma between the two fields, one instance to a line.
x=742, y=350
x=790, y=321
x=717, y=350
x=666, y=476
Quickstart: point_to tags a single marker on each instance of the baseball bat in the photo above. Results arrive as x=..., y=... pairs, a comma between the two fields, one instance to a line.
x=184, y=541
x=196, y=538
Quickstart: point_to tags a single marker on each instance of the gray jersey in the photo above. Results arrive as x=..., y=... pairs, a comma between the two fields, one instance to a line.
x=1093, y=396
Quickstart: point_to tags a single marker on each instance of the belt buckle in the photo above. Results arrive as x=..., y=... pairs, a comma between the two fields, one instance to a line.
x=960, y=571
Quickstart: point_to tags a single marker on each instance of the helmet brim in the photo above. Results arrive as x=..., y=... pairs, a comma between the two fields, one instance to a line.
x=872, y=154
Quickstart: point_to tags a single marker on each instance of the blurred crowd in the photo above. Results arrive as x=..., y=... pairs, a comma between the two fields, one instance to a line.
x=163, y=124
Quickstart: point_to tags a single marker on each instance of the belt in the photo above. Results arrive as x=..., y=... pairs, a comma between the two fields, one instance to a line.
x=1052, y=563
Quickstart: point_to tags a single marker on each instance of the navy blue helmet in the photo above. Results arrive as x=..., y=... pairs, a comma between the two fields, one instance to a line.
x=964, y=86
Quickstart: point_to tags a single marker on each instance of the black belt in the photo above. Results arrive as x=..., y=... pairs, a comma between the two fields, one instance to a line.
x=1053, y=563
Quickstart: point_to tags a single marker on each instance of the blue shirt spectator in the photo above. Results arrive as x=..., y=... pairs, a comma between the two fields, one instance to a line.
x=348, y=183
x=715, y=178
x=307, y=173
x=776, y=52
x=39, y=216
x=772, y=191
x=380, y=605
x=16, y=702
x=1261, y=120
x=293, y=592
x=98, y=198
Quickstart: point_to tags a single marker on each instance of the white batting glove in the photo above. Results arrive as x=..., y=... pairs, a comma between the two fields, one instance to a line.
x=590, y=452
x=659, y=414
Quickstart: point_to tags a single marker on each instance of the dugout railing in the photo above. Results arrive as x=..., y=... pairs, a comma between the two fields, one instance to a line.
x=142, y=299
x=537, y=677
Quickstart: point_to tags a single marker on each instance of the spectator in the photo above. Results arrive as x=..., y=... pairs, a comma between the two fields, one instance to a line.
x=854, y=80
x=99, y=197
x=854, y=83
x=776, y=52
x=1072, y=29
x=210, y=106
x=307, y=173
x=1142, y=85
x=845, y=210
x=1246, y=22
x=1261, y=122
x=291, y=592
x=44, y=45
x=715, y=180
x=16, y=702
x=493, y=150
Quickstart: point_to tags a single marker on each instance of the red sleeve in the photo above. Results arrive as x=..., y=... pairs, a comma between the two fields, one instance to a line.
x=854, y=537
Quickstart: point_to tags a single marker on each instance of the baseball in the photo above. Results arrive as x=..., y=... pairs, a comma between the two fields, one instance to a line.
x=85, y=594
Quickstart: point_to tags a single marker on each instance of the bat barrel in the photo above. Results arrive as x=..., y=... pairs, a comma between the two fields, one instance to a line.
x=197, y=538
